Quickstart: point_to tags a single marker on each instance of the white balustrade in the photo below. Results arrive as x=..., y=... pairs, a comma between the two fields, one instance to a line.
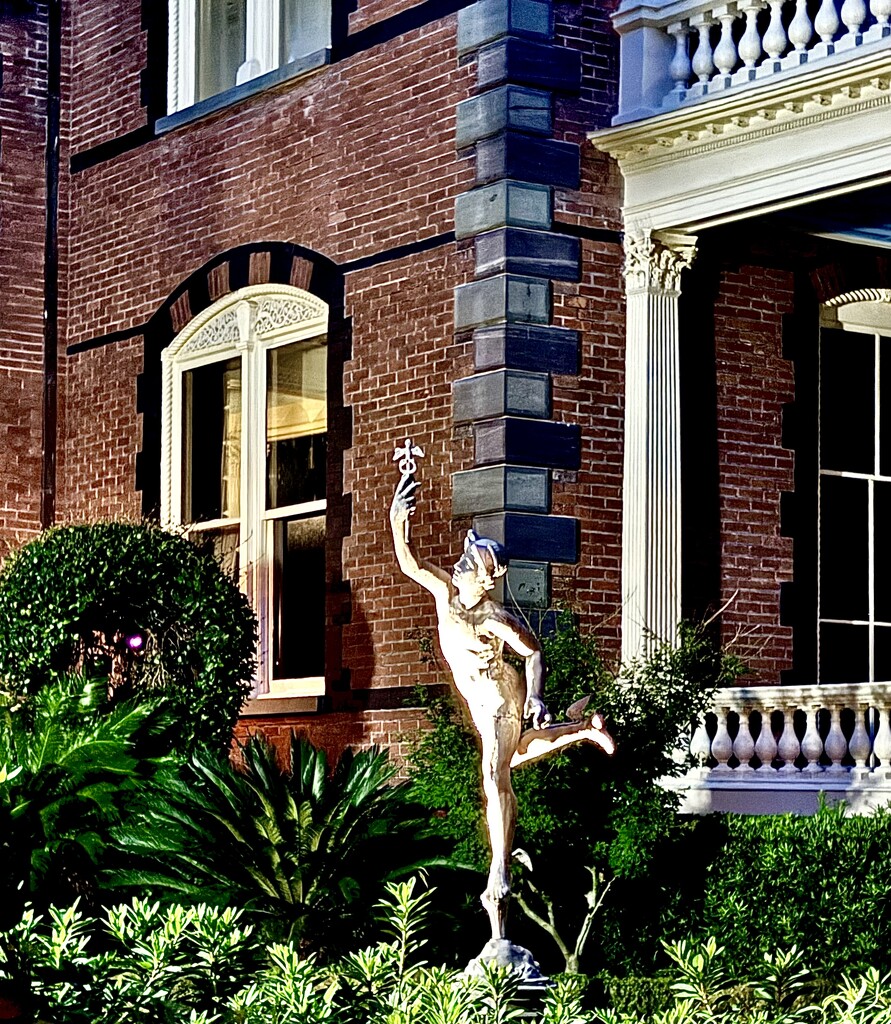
x=708, y=47
x=792, y=733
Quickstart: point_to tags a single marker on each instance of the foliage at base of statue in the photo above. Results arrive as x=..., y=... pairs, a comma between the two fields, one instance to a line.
x=69, y=767
x=140, y=606
x=303, y=849
x=637, y=997
x=821, y=883
x=206, y=966
x=594, y=831
x=709, y=988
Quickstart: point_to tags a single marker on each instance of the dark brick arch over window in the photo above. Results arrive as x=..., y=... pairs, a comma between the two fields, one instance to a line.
x=262, y=263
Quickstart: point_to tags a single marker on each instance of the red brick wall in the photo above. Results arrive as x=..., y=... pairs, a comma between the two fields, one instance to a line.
x=371, y=12
x=399, y=385
x=595, y=400
x=349, y=162
x=753, y=383
x=107, y=57
x=101, y=434
x=22, y=130
x=335, y=732
x=278, y=166
x=595, y=306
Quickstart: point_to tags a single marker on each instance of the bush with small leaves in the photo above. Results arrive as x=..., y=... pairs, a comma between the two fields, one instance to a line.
x=139, y=605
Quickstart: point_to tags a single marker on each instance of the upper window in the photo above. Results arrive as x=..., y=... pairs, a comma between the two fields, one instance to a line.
x=854, y=494
x=244, y=449
x=215, y=45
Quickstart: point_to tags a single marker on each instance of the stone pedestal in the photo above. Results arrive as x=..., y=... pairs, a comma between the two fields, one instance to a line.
x=503, y=953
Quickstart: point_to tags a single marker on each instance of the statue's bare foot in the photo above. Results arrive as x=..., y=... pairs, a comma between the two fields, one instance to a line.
x=498, y=888
x=596, y=733
x=495, y=899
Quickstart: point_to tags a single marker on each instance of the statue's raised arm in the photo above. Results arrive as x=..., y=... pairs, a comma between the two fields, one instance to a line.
x=473, y=630
x=421, y=571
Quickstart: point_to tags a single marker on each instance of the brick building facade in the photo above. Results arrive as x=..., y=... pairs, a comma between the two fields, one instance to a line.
x=488, y=210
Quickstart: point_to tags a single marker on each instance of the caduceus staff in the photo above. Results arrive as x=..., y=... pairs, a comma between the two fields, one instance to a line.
x=406, y=456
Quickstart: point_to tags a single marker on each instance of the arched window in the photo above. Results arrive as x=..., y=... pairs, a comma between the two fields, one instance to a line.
x=244, y=464
x=854, y=489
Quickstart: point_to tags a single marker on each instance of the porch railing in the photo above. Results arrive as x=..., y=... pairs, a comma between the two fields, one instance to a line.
x=783, y=730
x=678, y=52
x=832, y=738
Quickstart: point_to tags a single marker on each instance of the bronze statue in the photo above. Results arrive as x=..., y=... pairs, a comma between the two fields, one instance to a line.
x=473, y=630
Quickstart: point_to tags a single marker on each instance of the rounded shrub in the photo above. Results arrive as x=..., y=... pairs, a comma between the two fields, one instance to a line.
x=141, y=605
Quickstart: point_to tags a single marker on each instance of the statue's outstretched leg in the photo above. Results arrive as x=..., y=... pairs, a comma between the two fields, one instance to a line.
x=538, y=743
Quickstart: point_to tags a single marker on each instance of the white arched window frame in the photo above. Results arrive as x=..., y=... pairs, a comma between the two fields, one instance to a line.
x=242, y=330
x=854, y=488
x=276, y=33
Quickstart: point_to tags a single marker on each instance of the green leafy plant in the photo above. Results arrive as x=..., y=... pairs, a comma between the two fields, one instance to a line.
x=142, y=607
x=817, y=883
x=69, y=766
x=203, y=965
x=305, y=849
x=594, y=831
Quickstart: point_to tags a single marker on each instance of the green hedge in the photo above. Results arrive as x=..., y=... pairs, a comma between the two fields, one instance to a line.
x=819, y=882
x=75, y=596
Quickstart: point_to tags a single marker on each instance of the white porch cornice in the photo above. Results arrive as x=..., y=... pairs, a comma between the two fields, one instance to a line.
x=752, y=150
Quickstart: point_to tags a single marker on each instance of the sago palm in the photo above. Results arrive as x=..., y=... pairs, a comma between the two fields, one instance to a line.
x=68, y=767
x=306, y=848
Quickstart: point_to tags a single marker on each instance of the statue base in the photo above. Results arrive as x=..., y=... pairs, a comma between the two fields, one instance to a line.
x=503, y=953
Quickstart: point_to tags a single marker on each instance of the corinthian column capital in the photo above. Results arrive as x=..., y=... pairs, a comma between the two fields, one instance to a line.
x=653, y=262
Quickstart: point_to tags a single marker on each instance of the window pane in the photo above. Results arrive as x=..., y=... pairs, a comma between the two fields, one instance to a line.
x=305, y=28
x=882, y=654
x=882, y=548
x=844, y=653
x=847, y=401
x=222, y=544
x=885, y=406
x=296, y=423
x=219, y=45
x=298, y=635
x=844, y=548
x=212, y=442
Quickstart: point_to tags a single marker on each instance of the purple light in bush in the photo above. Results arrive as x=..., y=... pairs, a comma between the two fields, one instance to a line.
x=135, y=642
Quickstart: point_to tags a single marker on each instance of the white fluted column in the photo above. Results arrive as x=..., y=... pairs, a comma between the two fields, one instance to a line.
x=651, y=503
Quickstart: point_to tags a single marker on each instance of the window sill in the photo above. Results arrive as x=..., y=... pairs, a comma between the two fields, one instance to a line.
x=260, y=707
x=285, y=73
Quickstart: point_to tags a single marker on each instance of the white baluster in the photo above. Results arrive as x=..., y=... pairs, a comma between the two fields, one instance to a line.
x=800, y=28
x=703, y=59
x=680, y=69
x=744, y=745
x=766, y=745
x=725, y=51
x=812, y=742
x=826, y=23
x=881, y=11
x=836, y=746
x=859, y=744
x=775, y=40
x=722, y=745
x=881, y=744
x=853, y=14
x=700, y=745
x=788, y=747
x=750, y=44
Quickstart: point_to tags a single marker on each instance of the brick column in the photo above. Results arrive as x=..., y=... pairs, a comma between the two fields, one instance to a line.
x=651, y=493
